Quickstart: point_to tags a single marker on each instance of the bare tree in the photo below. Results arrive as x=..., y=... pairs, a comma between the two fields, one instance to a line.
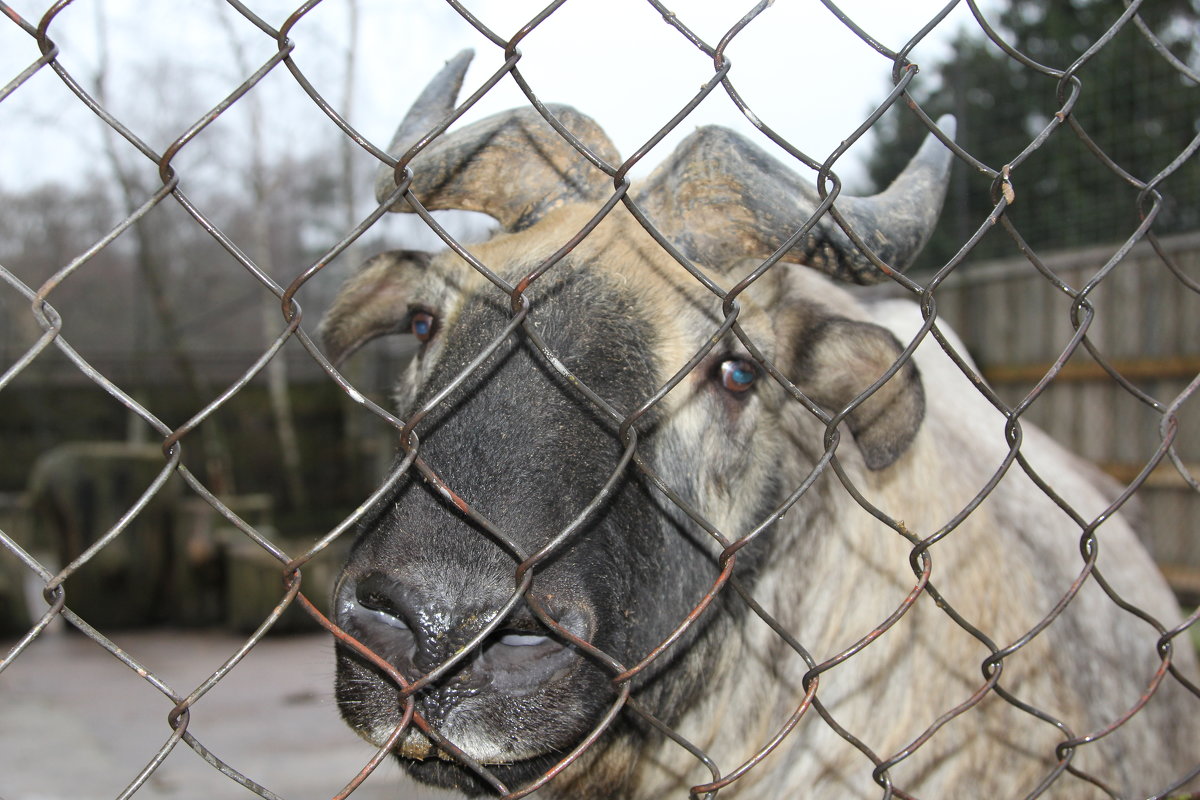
x=261, y=190
x=149, y=254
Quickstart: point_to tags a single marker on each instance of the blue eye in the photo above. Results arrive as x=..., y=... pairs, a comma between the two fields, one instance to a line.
x=423, y=324
x=738, y=374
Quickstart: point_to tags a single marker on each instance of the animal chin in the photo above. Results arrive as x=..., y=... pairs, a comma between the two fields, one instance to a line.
x=484, y=746
x=416, y=746
x=429, y=764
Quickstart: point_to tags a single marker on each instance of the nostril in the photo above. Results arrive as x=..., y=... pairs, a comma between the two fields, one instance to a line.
x=521, y=660
x=524, y=655
x=416, y=629
x=522, y=639
x=385, y=614
x=374, y=595
x=378, y=613
x=401, y=601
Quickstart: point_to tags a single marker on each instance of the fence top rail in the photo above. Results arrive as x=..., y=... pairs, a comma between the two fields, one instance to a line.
x=1066, y=260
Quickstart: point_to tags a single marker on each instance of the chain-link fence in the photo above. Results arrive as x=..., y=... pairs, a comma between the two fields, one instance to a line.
x=884, y=590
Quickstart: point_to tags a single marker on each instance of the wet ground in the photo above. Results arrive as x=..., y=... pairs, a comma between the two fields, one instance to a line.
x=76, y=724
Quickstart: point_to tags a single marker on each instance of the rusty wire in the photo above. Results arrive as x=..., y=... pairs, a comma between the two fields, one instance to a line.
x=1071, y=82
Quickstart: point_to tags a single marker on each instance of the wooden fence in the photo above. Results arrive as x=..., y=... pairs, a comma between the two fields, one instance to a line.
x=1016, y=323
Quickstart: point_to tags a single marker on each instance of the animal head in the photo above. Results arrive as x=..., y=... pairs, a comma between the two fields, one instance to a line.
x=595, y=419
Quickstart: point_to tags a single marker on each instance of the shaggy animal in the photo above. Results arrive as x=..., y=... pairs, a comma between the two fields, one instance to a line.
x=537, y=546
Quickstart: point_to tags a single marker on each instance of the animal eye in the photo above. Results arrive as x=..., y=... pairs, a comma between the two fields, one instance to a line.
x=423, y=325
x=738, y=374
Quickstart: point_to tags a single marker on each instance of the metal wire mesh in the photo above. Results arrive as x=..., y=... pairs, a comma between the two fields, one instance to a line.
x=1006, y=187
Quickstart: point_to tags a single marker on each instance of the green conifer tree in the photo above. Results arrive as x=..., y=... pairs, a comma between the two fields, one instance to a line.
x=1138, y=104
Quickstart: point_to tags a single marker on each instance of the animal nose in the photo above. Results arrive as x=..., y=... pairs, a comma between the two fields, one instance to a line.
x=415, y=628
x=386, y=615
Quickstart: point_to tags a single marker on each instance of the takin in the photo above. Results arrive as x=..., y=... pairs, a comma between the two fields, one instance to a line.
x=631, y=513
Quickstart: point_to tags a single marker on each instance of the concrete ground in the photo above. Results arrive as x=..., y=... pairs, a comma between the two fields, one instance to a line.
x=76, y=724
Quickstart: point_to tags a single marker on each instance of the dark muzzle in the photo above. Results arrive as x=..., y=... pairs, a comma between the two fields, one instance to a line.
x=416, y=628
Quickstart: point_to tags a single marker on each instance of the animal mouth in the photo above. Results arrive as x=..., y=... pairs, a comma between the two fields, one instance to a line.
x=494, y=703
x=515, y=660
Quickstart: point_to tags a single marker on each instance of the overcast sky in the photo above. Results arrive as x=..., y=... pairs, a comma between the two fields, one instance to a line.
x=799, y=68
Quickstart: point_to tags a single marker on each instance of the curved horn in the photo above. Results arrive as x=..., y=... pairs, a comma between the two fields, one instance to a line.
x=721, y=198
x=513, y=165
x=432, y=106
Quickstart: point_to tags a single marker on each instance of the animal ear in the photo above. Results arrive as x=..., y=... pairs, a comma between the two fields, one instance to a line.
x=840, y=358
x=373, y=303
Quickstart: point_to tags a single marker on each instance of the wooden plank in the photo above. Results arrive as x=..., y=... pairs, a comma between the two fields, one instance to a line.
x=1135, y=369
x=1184, y=580
x=1075, y=265
x=1164, y=476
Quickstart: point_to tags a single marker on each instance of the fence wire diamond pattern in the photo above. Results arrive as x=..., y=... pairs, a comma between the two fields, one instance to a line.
x=285, y=39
